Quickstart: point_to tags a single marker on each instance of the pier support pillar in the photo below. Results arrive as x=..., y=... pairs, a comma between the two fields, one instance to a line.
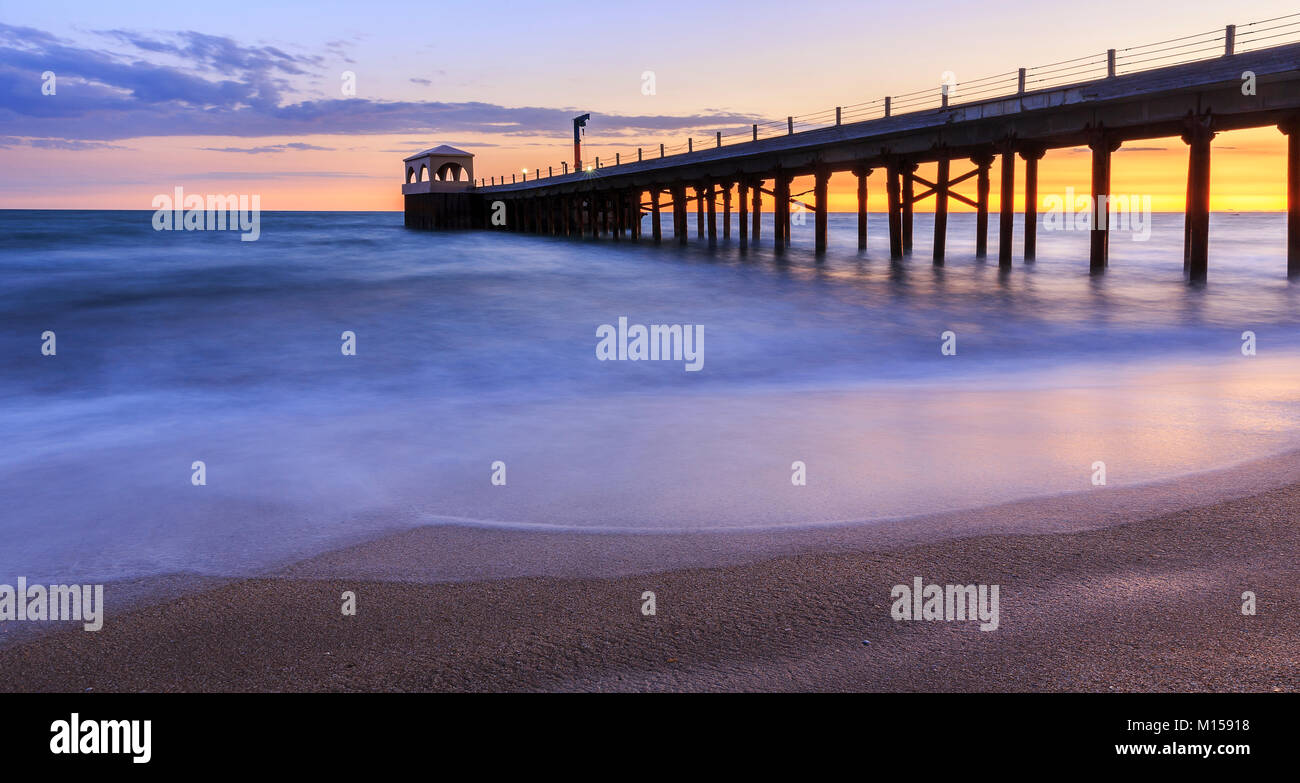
x=742, y=197
x=781, y=210
x=821, y=178
x=1102, y=145
x=699, y=210
x=726, y=210
x=618, y=214
x=679, y=213
x=1031, y=155
x=983, y=161
x=941, y=210
x=656, y=227
x=710, y=196
x=861, y=173
x=1197, y=137
x=908, y=198
x=894, y=190
x=757, y=218
x=1292, y=130
x=1007, y=205
x=594, y=207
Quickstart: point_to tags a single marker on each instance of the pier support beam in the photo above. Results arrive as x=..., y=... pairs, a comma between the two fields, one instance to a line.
x=781, y=191
x=656, y=226
x=594, y=207
x=894, y=191
x=1007, y=205
x=1292, y=130
x=821, y=178
x=726, y=210
x=983, y=161
x=679, y=213
x=1031, y=155
x=941, y=210
x=710, y=196
x=699, y=210
x=1197, y=136
x=909, y=194
x=861, y=173
x=1102, y=145
x=742, y=197
x=758, y=210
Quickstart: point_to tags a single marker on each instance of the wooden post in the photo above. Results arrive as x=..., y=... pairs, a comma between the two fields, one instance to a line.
x=710, y=196
x=821, y=180
x=1007, y=205
x=679, y=213
x=893, y=190
x=656, y=227
x=758, y=210
x=1102, y=146
x=1292, y=130
x=1198, y=136
x=861, y=173
x=781, y=209
x=1031, y=156
x=742, y=194
x=941, y=210
x=906, y=171
x=699, y=211
x=726, y=210
x=983, y=161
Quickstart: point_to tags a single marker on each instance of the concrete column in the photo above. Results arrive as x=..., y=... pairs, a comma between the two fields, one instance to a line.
x=861, y=173
x=1031, y=155
x=983, y=161
x=1007, y=203
x=894, y=191
x=699, y=210
x=726, y=210
x=941, y=210
x=1198, y=136
x=1292, y=130
x=906, y=171
x=742, y=195
x=1102, y=146
x=595, y=210
x=710, y=196
x=822, y=179
x=781, y=210
x=758, y=210
x=679, y=213
x=656, y=229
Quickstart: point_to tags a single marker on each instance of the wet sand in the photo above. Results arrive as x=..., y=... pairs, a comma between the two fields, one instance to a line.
x=1089, y=601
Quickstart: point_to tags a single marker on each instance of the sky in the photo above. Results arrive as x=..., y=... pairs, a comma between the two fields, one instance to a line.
x=239, y=98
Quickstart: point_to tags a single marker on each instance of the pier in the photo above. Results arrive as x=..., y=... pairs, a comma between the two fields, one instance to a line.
x=1189, y=88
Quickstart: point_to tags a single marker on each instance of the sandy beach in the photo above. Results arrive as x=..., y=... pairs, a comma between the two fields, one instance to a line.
x=1100, y=604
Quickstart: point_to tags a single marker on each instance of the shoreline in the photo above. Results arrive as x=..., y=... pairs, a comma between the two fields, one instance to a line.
x=1092, y=599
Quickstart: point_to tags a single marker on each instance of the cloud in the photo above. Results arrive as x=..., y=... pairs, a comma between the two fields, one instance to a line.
x=58, y=144
x=193, y=84
x=424, y=82
x=296, y=146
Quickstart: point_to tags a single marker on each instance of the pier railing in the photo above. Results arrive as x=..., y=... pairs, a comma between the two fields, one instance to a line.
x=1233, y=39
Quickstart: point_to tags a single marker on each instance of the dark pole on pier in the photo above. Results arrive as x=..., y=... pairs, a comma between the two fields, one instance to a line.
x=861, y=173
x=710, y=196
x=742, y=196
x=1292, y=130
x=699, y=210
x=908, y=168
x=983, y=161
x=758, y=210
x=1198, y=136
x=679, y=213
x=1031, y=156
x=821, y=178
x=656, y=227
x=893, y=189
x=1007, y=205
x=941, y=210
x=781, y=189
x=726, y=210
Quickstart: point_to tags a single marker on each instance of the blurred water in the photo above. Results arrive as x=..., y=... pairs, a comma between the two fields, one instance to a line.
x=476, y=346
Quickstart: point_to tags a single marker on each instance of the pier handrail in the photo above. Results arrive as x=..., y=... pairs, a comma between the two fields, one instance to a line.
x=1197, y=47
